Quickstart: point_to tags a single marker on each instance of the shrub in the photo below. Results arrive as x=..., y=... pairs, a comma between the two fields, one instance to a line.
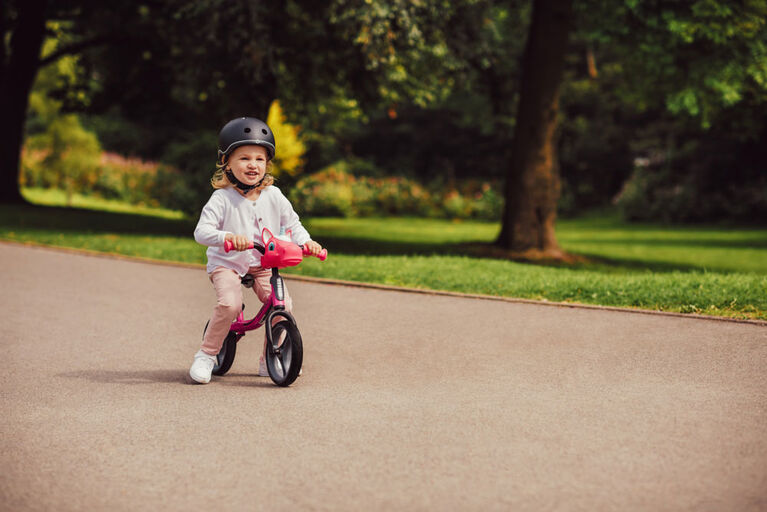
x=456, y=206
x=665, y=195
x=64, y=156
x=32, y=169
x=336, y=191
x=488, y=203
x=194, y=157
x=398, y=196
x=327, y=193
x=112, y=176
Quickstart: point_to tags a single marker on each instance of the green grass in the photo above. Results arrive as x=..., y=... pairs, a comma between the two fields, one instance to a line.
x=56, y=197
x=708, y=270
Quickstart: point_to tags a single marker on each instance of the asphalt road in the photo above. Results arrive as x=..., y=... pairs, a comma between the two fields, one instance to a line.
x=407, y=401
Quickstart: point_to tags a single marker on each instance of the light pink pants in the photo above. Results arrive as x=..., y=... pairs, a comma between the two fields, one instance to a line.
x=228, y=288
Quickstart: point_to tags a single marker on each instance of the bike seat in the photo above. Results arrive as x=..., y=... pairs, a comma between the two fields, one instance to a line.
x=247, y=281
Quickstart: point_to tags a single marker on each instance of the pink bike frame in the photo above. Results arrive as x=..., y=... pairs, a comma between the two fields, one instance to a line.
x=276, y=301
x=241, y=326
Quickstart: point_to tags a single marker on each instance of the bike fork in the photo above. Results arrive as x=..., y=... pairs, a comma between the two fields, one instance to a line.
x=268, y=326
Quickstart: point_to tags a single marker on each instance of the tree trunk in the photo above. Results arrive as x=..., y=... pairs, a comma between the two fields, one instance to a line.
x=15, y=84
x=532, y=185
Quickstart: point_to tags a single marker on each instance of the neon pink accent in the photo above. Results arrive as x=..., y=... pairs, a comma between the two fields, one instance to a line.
x=228, y=246
x=242, y=326
x=282, y=254
x=279, y=253
x=322, y=256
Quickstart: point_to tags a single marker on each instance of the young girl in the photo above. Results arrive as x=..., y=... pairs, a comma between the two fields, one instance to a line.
x=244, y=203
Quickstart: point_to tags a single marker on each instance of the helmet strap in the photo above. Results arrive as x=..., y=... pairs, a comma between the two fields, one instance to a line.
x=240, y=185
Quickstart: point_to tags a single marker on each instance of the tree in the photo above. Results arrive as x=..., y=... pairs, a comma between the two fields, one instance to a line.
x=695, y=76
x=23, y=29
x=532, y=185
x=692, y=58
x=185, y=68
x=178, y=69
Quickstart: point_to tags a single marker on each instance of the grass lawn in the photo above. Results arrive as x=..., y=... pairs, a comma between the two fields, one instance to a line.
x=56, y=197
x=706, y=270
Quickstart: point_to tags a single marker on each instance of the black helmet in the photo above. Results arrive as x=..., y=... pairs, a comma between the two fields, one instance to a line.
x=243, y=131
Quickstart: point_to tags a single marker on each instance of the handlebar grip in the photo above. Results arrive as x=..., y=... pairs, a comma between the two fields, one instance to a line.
x=321, y=256
x=228, y=246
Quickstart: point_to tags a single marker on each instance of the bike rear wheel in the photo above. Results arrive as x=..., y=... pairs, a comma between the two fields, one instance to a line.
x=225, y=356
x=284, y=353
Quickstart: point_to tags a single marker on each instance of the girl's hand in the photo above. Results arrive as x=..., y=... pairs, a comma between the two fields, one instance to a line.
x=240, y=242
x=313, y=247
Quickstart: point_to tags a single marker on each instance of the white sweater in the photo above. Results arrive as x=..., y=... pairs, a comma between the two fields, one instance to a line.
x=227, y=211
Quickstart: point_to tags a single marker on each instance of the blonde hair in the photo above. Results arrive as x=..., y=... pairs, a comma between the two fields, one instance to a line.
x=219, y=179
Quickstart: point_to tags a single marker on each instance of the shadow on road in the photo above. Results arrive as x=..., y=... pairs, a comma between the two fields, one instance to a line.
x=174, y=376
x=244, y=380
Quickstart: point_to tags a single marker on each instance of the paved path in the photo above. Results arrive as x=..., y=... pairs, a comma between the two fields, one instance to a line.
x=407, y=402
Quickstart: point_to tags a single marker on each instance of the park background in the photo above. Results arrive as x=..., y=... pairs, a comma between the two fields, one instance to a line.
x=592, y=152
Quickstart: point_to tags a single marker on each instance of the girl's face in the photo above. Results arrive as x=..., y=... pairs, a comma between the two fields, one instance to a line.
x=248, y=163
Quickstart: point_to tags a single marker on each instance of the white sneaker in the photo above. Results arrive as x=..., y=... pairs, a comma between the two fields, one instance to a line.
x=202, y=367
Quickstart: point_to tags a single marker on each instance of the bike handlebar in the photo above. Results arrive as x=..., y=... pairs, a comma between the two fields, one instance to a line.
x=228, y=246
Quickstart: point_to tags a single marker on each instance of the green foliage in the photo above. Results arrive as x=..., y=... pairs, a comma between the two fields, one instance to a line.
x=693, y=57
x=194, y=156
x=336, y=191
x=59, y=85
x=677, y=197
x=70, y=156
x=396, y=84
x=135, y=181
x=685, y=175
x=402, y=43
x=329, y=193
x=595, y=156
x=101, y=175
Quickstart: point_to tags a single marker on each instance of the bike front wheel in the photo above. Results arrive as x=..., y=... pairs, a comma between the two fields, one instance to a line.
x=284, y=353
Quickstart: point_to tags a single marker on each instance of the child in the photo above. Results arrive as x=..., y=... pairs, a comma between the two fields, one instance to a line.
x=244, y=203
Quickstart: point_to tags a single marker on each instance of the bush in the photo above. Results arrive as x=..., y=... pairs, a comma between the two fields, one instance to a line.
x=64, y=156
x=336, y=191
x=328, y=193
x=662, y=194
x=194, y=156
x=488, y=203
x=110, y=176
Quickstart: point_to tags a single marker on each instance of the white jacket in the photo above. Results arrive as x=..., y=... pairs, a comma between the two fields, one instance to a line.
x=227, y=211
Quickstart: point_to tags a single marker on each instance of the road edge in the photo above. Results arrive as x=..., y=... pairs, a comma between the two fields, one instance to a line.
x=384, y=287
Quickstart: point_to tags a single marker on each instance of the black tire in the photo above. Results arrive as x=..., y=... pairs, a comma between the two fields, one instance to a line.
x=225, y=356
x=284, y=362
